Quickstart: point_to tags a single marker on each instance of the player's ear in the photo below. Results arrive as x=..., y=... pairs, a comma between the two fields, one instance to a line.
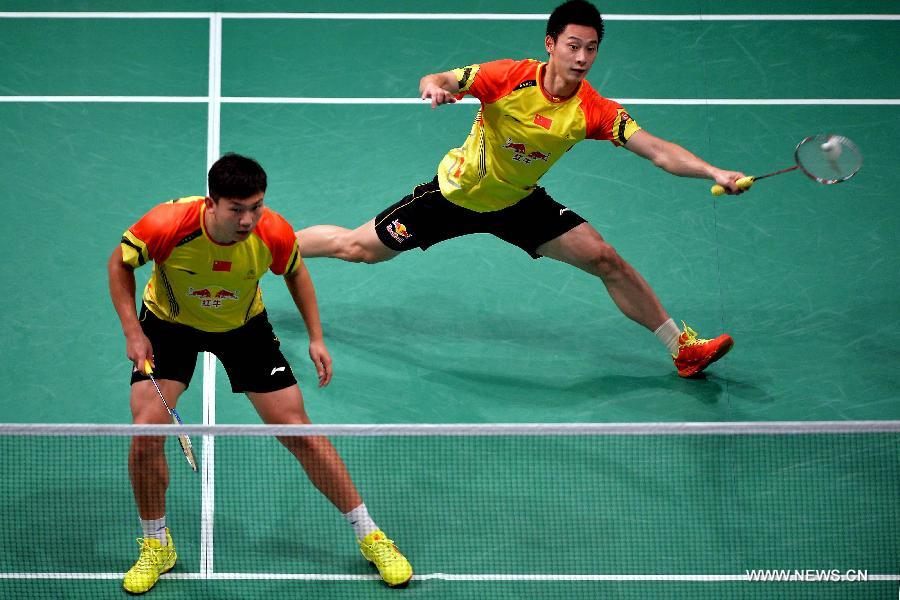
x=209, y=202
x=549, y=43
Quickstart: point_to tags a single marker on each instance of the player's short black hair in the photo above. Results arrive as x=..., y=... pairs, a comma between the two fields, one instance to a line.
x=235, y=176
x=574, y=12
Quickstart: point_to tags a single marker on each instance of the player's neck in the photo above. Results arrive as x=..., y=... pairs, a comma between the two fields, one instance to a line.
x=556, y=86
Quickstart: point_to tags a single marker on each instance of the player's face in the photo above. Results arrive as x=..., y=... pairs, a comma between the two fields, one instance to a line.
x=233, y=219
x=573, y=52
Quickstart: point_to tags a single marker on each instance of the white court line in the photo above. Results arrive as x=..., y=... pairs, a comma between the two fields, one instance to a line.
x=110, y=99
x=443, y=16
x=340, y=101
x=423, y=577
x=632, y=101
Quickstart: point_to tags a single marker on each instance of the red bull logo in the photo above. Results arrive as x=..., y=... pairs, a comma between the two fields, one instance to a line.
x=521, y=153
x=398, y=231
x=211, y=299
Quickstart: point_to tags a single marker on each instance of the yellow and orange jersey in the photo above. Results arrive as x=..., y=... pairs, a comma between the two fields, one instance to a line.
x=197, y=281
x=520, y=131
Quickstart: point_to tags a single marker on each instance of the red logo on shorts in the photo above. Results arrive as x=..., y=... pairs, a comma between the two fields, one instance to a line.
x=398, y=231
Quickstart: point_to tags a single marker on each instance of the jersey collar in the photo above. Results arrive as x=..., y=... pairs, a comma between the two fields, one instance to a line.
x=541, y=68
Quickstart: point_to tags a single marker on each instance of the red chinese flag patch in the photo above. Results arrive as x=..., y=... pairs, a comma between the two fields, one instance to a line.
x=221, y=265
x=543, y=121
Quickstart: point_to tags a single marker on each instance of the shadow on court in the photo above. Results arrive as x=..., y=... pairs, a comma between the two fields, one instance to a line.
x=505, y=365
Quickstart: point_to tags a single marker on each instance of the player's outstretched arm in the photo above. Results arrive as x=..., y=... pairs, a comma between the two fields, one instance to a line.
x=440, y=88
x=678, y=161
x=300, y=285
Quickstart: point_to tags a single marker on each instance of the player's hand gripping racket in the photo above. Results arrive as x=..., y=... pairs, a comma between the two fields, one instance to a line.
x=824, y=158
x=184, y=440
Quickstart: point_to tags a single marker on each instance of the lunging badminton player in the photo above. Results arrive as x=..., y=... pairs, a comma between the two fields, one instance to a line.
x=209, y=254
x=531, y=113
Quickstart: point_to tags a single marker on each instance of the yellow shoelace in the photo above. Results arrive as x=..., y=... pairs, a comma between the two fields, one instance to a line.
x=692, y=339
x=385, y=551
x=150, y=557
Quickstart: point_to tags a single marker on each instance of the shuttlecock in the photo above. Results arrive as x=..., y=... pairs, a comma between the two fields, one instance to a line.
x=832, y=147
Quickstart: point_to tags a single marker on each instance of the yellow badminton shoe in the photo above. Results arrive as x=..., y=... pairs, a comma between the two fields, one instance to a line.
x=155, y=559
x=695, y=354
x=395, y=570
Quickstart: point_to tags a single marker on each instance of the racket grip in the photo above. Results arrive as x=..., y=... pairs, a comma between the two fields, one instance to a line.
x=148, y=368
x=744, y=183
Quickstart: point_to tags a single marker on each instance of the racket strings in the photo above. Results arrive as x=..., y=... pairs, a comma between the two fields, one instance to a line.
x=828, y=158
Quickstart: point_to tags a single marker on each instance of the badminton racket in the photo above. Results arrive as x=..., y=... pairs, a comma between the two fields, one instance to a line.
x=183, y=439
x=823, y=158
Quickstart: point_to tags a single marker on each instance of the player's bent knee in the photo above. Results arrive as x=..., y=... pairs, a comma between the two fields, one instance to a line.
x=303, y=444
x=147, y=445
x=606, y=261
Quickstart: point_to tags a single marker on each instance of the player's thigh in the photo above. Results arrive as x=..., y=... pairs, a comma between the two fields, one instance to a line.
x=582, y=247
x=146, y=405
x=281, y=407
x=368, y=245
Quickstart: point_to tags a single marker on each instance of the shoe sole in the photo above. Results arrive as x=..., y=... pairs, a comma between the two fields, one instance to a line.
x=398, y=586
x=130, y=593
x=719, y=353
x=393, y=586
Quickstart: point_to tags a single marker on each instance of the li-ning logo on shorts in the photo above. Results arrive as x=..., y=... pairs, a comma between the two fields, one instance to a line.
x=398, y=231
x=521, y=153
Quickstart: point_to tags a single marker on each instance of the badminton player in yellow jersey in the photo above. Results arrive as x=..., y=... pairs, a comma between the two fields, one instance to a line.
x=531, y=114
x=203, y=295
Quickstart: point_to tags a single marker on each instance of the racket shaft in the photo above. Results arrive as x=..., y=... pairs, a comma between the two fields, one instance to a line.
x=175, y=416
x=794, y=168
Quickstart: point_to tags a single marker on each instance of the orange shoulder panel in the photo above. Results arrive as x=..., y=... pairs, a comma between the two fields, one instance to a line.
x=166, y=225
x=278, y=236
x=599, y=113
x=498, y=78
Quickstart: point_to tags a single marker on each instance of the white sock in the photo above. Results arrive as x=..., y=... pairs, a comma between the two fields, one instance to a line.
x=668, y=333
x=155, y=529
x=361, y=522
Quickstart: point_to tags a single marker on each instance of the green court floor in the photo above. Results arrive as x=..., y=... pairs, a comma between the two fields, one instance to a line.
x=804, y=277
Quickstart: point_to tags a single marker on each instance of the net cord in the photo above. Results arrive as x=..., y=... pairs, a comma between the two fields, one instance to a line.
x=462, y=429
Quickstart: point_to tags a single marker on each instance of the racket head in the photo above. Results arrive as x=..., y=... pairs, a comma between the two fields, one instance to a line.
x=186, y=447
x=828, y=158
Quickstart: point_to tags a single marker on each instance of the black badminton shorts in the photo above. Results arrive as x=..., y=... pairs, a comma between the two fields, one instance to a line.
x=425, y=218
x=250, y=354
